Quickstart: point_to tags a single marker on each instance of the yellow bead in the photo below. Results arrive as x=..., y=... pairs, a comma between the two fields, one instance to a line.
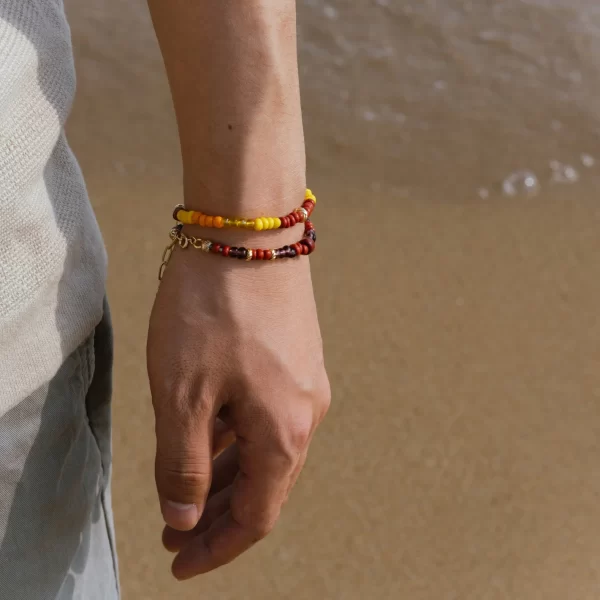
x=271, y=222
x=258, y=225
x=186, y=218
x=277, y=222
x=308, y=194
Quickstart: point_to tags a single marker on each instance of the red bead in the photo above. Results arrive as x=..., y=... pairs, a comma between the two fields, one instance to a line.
x=268, y=254
x=293, y=217
x=305, y=249
x=297, y=247
x=260, y=254
x=226, y=250
x=216, y=248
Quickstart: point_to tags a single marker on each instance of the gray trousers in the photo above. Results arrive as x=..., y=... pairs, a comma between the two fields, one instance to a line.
x=56, y=528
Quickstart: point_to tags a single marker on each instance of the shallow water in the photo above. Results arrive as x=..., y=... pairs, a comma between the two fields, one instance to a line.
x=455, y=95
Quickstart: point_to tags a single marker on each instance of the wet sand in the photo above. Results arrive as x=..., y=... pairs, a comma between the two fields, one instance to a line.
x=460, y=457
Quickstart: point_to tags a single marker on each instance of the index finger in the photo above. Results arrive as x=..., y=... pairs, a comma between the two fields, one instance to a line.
x=259, y=491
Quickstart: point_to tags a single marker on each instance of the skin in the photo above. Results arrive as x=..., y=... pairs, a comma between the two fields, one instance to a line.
x=235, y=356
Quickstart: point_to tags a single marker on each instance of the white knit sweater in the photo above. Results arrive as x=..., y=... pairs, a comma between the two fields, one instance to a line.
x=52, y=259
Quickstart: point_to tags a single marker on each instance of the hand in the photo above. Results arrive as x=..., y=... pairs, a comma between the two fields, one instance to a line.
x=240, y=343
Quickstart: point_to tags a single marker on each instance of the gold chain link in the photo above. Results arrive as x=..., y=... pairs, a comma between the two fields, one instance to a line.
x=183, y=241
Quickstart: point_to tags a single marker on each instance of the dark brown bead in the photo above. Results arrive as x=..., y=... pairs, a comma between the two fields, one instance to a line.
x=242, y=253
x=309, y=243
x=233, y=253
x=291, y=252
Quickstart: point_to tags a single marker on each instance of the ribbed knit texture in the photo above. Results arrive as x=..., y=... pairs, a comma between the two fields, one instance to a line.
x=52, y=259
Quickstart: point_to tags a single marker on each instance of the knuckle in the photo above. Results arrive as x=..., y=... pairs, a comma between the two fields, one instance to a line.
x=186, y=480
x=323, y=406
x=262, y=529
x=259, y=523
x=299, y=432
x=324, y=397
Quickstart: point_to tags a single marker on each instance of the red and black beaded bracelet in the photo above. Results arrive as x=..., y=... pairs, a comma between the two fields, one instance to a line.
x=303, y=247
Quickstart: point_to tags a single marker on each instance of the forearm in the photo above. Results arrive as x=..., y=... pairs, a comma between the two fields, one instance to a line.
x=232, y=68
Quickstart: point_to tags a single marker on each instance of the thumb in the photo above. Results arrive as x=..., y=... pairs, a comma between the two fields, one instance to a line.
x=183, y=469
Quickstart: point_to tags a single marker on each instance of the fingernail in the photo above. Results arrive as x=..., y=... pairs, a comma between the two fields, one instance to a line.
x=182, y=507
x=180, y=516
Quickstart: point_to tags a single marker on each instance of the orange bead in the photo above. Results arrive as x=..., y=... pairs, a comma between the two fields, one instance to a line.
x=218, y=222
x=202, y=220
x=209, y=221
x=195, y=218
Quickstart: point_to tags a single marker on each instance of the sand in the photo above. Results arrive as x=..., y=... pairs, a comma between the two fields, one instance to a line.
x=460, y=457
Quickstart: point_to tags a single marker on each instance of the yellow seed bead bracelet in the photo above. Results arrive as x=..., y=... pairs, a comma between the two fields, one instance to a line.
x=298, y=215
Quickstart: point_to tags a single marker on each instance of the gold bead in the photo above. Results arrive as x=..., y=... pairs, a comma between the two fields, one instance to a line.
x=244, y=223
x=205, y=245
x=249, y=255
x=274, y=256
x=226, y=222
x=237, y=222
x=303, y=214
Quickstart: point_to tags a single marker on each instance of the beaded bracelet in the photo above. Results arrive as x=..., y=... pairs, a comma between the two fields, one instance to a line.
x=305, y=246
x=298, y=215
